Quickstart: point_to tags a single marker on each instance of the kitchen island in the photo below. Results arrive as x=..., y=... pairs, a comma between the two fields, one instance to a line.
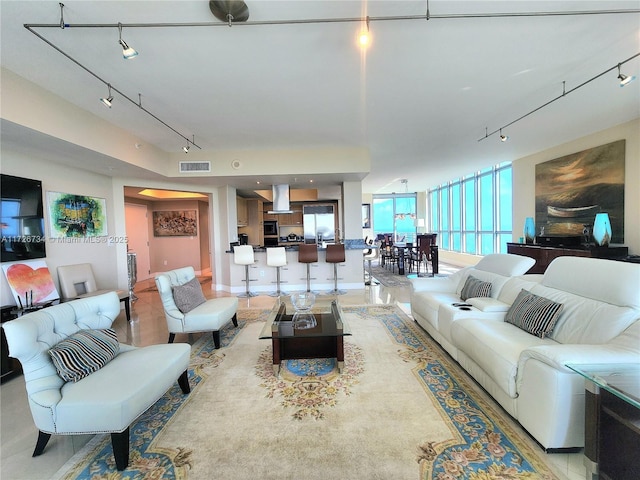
x=293, y=276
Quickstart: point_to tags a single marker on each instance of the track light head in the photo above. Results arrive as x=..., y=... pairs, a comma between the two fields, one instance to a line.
x=127, y=52
x=364, y=37
x=503, y=138
x=106, y=101
x=624, y=79
x=185, y=149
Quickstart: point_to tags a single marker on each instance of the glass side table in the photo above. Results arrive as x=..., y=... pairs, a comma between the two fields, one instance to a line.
x=612, y=420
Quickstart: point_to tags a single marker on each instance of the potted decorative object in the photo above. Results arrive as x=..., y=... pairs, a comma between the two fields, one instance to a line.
x=602, y=230
x=529, y=230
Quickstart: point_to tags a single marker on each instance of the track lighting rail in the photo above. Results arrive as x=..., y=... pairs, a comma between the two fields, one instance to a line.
x=426, y=16
x=114, y=89
x=564, y=94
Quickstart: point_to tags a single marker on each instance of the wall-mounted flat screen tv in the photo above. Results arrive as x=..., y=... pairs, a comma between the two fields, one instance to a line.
x=21, y=214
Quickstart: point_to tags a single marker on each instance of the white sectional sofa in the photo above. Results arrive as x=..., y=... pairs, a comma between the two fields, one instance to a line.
x=527, y=375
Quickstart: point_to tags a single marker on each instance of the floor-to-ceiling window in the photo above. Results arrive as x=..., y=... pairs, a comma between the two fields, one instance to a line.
x=472, y=214
x=395, y=214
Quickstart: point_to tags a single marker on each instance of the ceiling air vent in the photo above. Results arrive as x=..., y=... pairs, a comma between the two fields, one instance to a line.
x=190, y=167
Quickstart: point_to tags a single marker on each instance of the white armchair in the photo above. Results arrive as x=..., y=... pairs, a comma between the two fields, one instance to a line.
x=78, y=281
x=206, y=316
x=107, y=400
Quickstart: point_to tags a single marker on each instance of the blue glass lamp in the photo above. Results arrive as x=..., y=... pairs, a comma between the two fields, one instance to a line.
x=529, y=230
x=602, y=230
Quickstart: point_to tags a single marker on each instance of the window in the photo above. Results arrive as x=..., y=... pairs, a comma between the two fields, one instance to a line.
x=473, y=214
x=395, y=214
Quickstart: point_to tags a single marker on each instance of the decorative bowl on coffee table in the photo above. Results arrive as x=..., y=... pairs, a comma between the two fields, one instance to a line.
x=303, y=301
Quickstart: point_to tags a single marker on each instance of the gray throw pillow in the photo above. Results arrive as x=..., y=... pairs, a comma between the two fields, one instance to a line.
x=83, y=353
x=188, y=296
x=534, y=314
x=474, y=287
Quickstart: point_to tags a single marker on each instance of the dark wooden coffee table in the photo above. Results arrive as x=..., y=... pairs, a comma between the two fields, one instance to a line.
x=317, y=333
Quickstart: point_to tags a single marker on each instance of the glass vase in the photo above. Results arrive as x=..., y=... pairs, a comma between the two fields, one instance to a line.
x=602, y=230
x=529, y=230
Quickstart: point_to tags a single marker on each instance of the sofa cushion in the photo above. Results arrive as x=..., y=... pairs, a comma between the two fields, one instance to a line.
x=616, y=283
x=83, y=353
x=122, y=390
x=507, y=265
x=495, y=347
x=474, y=287
x=213, y=314
x=426, y=305
x=188, y=296
x=534, y=314
x=585, y=320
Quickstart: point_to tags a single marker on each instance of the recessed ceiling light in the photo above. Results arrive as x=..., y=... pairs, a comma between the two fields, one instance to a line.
x=167, y=194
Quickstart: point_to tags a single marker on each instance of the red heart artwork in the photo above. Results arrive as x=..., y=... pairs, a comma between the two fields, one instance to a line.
x=23, y=279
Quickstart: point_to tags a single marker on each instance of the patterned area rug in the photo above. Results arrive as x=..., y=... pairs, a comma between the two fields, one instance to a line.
x=146, y=460
x=391, y=278
x=400, y=409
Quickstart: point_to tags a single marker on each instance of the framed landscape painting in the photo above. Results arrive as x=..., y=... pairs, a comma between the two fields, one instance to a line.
x=570, y=190
x=175, y=223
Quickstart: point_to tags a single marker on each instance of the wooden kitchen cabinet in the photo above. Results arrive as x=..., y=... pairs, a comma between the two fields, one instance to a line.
x=255, y=224
x=242, y=213
x=269, y=216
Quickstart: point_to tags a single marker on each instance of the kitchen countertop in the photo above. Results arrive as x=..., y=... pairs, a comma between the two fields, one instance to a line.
x=357, y=244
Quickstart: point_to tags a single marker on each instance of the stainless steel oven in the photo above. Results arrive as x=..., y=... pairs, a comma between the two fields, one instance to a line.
x=271, y=227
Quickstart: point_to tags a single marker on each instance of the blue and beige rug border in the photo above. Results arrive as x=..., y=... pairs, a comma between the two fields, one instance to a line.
x=484, y=445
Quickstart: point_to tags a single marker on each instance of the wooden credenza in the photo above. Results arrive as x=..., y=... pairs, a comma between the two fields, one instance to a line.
x=544, y=255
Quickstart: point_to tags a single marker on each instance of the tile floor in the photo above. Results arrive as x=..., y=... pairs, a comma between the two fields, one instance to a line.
x=148, y=326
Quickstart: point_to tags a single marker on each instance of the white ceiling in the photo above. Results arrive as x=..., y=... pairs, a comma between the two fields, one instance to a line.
x=419, y=98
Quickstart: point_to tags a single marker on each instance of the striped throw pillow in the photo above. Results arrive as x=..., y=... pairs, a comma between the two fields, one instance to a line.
x=534, y=314
x=84, y=352
x=474, y=287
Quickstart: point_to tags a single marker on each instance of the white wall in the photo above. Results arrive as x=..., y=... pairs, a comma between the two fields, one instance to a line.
x=57, y=178
x=524, y=178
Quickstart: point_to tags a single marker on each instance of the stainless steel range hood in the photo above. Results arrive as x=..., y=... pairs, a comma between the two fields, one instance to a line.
x=280, y=199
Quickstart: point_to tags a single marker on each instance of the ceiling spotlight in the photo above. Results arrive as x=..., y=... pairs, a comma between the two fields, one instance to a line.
x=363, y=37
x=186, y=148
x=127, y=52
x=624, y=79
x=107, y=101
x=503, y=138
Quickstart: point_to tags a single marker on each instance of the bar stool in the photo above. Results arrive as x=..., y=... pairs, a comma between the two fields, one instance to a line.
x=372, y=254
x=243, y=255
x=335, y=255
x=276, y=257
x=308, y=253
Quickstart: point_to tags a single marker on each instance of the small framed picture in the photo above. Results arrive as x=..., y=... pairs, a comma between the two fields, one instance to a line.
x=366, y=215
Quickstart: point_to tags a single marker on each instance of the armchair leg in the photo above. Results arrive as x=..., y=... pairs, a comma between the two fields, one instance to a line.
x=172, y=337
x=127, y=308
x=120, y=445
x=183, y=381
x=43, y=439
x=216, y=339
x=234, y=319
